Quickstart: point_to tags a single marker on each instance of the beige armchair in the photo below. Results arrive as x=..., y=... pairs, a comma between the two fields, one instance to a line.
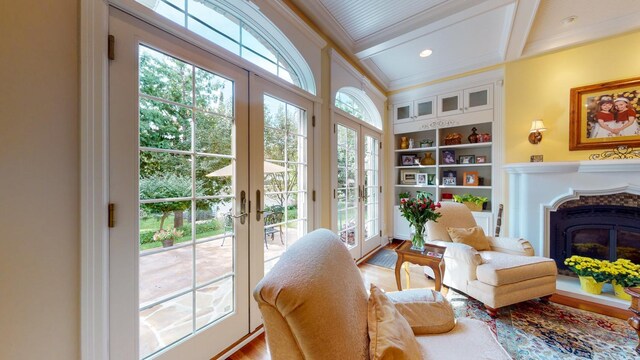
x=506, y=274
x=314, y=306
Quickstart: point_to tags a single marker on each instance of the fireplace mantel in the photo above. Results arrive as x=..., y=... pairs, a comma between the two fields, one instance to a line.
x=536, y=189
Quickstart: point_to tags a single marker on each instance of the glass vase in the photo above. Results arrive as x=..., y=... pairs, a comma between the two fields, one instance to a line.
x=417, y=241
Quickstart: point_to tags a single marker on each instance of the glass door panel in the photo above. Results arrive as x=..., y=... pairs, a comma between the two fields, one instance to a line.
x=176, y=180
x=371, y=193
x=347, y=190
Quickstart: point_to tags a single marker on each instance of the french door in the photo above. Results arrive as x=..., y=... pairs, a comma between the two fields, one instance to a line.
x=357, y=187
x=179, y=170
x=209, y=173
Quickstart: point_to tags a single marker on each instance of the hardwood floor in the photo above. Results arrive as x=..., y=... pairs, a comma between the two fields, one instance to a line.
x=385, y=279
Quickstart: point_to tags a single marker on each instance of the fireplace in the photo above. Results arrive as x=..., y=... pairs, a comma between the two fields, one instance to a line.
x=539, y=191
x=605, y=232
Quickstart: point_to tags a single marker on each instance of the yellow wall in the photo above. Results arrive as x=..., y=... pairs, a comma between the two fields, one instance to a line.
x=539, y=87
x=39, y=180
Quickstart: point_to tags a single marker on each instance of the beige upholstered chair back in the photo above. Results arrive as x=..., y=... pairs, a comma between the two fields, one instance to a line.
x=453, y=215
x=313, y=302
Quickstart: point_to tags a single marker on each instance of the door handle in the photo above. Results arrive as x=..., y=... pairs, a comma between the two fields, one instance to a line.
x=259, y=211
x=243, y=204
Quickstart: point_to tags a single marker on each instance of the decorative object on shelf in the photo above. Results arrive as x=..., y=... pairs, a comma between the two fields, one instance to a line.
x=448, y=156
x=404, y=195
x=619, y=152
x=535, y=133
x=418, y=212
x=467, y=159
x=453, y=139
x=470, y=178
x=447, y=196
x=431, y=179
x=404, y=142
x=427, y=159
x=474, y=203
x=410, y=143
x=421, y=179
x=449, y=177
x=408, y=159
x=426, y=143
x=473, y=138
x=484, y=138
x=481, y=159
x=536, y=158
x=480, y=181
x=421, y=194
x=605, y=115
x=167, y=237
x=407, y=177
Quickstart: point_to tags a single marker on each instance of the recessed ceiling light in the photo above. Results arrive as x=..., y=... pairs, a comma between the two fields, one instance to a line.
x=425, y=52
x=569, y=20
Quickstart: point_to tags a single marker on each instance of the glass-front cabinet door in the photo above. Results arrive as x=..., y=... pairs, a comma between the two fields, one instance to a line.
x=450, y=104
x=478, y=98
x=403, y=112
x=425, y=108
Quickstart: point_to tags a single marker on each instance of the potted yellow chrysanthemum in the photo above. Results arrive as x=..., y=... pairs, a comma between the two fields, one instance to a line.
x=624, y=274
x=592, y=272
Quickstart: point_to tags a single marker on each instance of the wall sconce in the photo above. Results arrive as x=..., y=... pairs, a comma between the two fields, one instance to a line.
x=535, y=134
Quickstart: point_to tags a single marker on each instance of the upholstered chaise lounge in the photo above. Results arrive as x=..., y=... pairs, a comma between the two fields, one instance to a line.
x=507, y=272
x=315, y=306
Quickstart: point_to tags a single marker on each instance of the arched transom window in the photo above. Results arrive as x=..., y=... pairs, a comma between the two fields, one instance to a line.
x=242, y=29
x=355, y=102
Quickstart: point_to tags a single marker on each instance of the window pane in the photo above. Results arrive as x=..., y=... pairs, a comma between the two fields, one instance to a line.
x=157, y=332
x=165, y=77
x=214, y=134
x=164, y=175
x=164, y=126
x=214, y=93
x=213, y=176
x=214, y=301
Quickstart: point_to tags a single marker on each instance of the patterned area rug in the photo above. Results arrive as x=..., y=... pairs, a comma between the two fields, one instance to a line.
x=536, y=330
x=385, y=258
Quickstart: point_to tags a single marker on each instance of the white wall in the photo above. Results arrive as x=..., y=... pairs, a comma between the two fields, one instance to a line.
x=39, y=170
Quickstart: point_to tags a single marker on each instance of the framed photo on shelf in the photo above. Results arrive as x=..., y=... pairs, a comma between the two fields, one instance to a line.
x=481, y=159
x=470, y=178
x=421, y=179
x=467, y=159
x=408, y=160
x=407, y=177
x=449, y=178
x=448, y=156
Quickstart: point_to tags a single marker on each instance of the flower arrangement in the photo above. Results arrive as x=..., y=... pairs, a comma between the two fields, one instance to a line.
x=622, y=271
x=418, y=211
x=625, y=273
x=167, y=236
x=586, y=266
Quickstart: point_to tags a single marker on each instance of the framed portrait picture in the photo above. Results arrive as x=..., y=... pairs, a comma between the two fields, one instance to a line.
x=481, y=159
x=605, y=115
x=421, y=179
x=407, y=177
x=448, y=156
x=449, y=178
x=408, y=160
x=467, y=159
x=470, y=178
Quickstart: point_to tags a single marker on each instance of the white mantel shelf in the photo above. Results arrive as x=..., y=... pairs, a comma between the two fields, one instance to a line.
x=586, y=166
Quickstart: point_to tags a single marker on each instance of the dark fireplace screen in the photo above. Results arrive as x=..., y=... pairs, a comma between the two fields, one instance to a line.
x=599, y=232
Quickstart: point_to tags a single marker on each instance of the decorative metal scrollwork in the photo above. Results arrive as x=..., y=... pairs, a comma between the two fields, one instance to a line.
x=620, y=152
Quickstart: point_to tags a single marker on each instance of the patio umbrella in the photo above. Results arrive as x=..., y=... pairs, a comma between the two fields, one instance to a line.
x=269, y=168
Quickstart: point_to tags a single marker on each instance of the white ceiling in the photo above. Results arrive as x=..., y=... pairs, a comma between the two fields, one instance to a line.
x=386, y=36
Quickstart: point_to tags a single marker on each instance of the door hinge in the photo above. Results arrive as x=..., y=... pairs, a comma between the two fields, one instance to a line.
x=380, y=233
x=381, y=189
x=334, y=193
x=111, y=52
x=334, y=128
x=111, y=221
x=380, y=144
x=313, y=195
x=313, y=121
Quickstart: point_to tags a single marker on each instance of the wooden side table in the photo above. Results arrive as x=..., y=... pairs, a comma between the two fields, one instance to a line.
x=634, y=321
x=432, y=256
